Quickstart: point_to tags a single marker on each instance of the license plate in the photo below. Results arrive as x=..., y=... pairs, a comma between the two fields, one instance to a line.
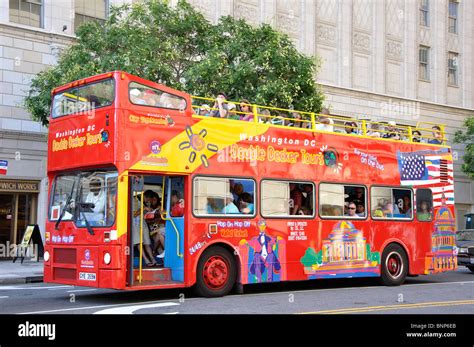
x=87, y=276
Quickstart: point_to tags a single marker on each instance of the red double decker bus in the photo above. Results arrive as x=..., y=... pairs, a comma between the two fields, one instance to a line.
x=148, y=190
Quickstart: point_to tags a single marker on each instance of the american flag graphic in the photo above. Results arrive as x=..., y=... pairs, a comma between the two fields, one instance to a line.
x=428, y=169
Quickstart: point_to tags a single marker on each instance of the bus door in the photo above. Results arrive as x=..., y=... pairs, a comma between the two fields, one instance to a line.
x=157, y=230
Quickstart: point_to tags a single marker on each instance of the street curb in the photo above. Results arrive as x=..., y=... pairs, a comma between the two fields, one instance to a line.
x=22, y=280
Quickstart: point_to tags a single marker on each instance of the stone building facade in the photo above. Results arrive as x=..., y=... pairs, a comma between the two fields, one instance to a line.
x=409, y=60
x=405, y=60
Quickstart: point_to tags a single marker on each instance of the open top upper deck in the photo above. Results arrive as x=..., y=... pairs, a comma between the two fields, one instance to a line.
x=120, y=120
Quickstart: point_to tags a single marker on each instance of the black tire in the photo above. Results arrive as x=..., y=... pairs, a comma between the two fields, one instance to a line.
x=394, y=257
x=471, y=268
x=216, y=255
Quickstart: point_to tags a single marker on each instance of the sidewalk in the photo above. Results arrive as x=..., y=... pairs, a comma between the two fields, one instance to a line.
x=17, y=273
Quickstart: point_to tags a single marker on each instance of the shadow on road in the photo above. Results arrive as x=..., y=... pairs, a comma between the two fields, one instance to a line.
x=119, y=297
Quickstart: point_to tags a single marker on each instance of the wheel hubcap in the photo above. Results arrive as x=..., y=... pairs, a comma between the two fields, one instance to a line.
x=215, y=272
x=394, y=265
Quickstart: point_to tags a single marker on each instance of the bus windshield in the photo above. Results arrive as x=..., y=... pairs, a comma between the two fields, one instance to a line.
x=85, y=198
x=84, y=98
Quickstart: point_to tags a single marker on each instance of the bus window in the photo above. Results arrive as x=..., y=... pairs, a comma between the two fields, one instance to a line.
x=391, y=203
x=84, y=98
x=285, y=198
x=96, y=199
x=223, y=196
x=424, y=205
x=144, y=95
x=65, y=188
x=342, y=201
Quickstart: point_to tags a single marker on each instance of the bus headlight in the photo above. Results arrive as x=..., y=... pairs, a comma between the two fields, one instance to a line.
x=462, y=250
x=46, y=256
x=107, y=258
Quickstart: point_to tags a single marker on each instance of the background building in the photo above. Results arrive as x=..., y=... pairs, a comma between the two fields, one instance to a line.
x=408, y=60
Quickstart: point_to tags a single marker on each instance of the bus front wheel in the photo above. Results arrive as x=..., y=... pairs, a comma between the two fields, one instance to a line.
x=394, y=265
x=216, y=272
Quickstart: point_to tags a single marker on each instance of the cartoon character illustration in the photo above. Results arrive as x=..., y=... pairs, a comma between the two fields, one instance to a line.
x=265, y=260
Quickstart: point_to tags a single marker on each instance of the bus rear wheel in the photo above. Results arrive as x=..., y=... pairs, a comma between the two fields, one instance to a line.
x=394, y=265
x=216, y=272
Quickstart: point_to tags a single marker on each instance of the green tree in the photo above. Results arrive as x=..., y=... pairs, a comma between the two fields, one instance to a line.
x=467, y=138
x=178, y=47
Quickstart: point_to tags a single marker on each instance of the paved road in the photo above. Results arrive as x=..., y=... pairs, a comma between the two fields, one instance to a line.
x=435, y=294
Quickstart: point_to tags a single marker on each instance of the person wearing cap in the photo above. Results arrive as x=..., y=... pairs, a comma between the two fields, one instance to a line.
x=220, y=108
x=391, y=131
x=96, y=197
x=232, y=108
x=205, y=110
x=136, y=97
x=230, y=207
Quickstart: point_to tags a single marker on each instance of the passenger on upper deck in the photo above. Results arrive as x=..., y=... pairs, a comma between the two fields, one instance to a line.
x=205, y=110
x=325, y=123
x=416, y=136
x=391, y=131
x=232, y=114
x=351, y=128
x=246, y=109
x=437, y=136
x=374, y=131
x=220, y=108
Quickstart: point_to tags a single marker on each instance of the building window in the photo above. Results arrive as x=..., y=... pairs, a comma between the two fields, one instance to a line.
x=425, y=13
x=453, y=17
x=453, y=78
x=26, y=12
x=221, y=196
x=391, y=203
x=287, y=198
x=89, y=10
x=342, y=201
x=424, y=205
x=424, y=63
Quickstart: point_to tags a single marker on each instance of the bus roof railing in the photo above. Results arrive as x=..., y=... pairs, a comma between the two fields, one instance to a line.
x=311, y=121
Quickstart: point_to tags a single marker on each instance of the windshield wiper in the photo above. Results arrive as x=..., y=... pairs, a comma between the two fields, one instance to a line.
x=66, y=205
x=79, y=206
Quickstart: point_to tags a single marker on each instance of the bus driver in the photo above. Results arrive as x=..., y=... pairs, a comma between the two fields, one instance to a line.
x=96, y=196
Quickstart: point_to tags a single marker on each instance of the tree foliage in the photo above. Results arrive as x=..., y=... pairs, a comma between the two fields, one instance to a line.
x=467, y=138
x=178, y=47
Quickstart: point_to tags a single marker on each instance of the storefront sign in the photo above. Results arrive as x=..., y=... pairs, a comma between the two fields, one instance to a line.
x=19, y=186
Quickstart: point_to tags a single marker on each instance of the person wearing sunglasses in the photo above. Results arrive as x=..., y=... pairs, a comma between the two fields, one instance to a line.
x=351, y=210
x=246, y=109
